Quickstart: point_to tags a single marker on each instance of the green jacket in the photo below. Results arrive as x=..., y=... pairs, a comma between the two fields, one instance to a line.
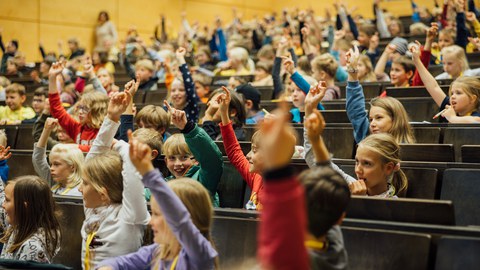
x=210, y=163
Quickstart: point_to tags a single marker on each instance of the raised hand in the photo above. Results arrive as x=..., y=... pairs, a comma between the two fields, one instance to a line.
x=305, y=31
x=358, y=188
x=314, y=96
x=415, y=50
x=180, y=53
x=5, y=153
x=314, y=124
x=352, y=57
x=55, y=69
x=289, y=64
x=432, y=31
x=459, y=6
x=223, y=101
x=46, y=108
x=132, y=86
x=88, y=67
x=140, y=155
x=475, y=41
x=179, y=118
x=275, y=132
x=50, y=123
x=118, y=104
x=471, y=16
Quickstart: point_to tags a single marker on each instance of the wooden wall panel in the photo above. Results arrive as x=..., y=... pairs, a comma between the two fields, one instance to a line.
x=19, y=9
x=75, y=12
x=27, y=38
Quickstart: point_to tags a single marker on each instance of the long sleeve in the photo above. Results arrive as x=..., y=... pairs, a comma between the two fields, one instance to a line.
x=353, y=26
x=209, y=157
x=4, y=169
x=128, y=67
x=381, y=23
x=40, y=164
x=293, y=55
x=191, y=108
x=236, y=156
x=355, y=106
x=425, y=58
x=71, y=126
x=2, y=46
x=126, y=123
x=42, y=52
x=277, y=81
x=283, y=223
x=80, y=84
x=97, y=85
x=113, y=32
x=415, y=15
x=140, y=260
x=103, y=141
x=198, y=249
x=462, y=31
x=300, y=82
x=222, y=46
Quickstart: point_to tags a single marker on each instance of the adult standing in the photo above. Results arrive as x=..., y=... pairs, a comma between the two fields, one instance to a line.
x=106, y=34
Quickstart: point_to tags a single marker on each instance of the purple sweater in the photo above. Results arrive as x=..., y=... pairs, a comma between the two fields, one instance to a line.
x=196, y=253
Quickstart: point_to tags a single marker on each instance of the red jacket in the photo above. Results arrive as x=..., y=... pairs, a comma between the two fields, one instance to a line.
x=283, y=225
x=240, y=162
x=81, y=134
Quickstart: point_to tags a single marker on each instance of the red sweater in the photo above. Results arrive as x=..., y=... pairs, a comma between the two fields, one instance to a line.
x=240, y=162
x=283, y=226
x=81, y=134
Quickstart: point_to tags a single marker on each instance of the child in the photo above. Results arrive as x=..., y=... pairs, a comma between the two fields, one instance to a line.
x=324, y=68
x=455, y=64
x=386, y=114
x=15, y=112
x=237, y=64
x=91, y=109
x=38, y=104
x=114, y=204
x=145, y=71
x=193, y=154
x=212, y=115
x=402, y=69
x=8, y=52
x=181, y=222
x=107, y=80
x=365, y=69
x=251, y=98
x=154, y=117
x=263, y=75
x=377, y=160
x=462, y=103
x=29, y=217
x=4, y=82
x=64, y=171
x=4, y=156
x=183, y=95
x=202, y=86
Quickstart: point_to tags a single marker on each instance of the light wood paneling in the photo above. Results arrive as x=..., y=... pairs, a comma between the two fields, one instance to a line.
x=75, y=12
x=27, y=38
x=19, y=9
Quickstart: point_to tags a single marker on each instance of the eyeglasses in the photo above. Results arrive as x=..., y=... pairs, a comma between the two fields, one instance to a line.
x=180, y=158
x=83, y=108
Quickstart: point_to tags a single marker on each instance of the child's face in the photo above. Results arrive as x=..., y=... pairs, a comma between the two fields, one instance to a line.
x=444, y=40
x=394, y=28
x=11, y=48
x=178, y=165
x=144, y=74
x=298, y=98
x=260, y=74
x=398, y=76
x=38, y=104
x=380, y=121
x=62, y=136
x=91, y=197
x=255, y=159
x=461, y=102
x=9, y=204
x=363, y=39
x=11, y=68
x=157, y=222
x=59, y=169
x=370, y=168
x=362, y=69
x=83, y=113
x=201, y=58
x=202, y=91
x=104, y=78
x=452, y=65
x=178, y=95
x=14, y=101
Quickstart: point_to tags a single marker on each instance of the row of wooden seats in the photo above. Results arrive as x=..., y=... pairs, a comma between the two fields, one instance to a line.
x=445, y=181
x=397, y=245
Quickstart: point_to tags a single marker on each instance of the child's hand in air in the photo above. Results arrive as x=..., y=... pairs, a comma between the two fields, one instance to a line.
x=315, y=124
x=415, y=50
x=50, y=123
x=223, y=101
x=180, y=53
x=179, y=118
x=5, y=153
x=55, y=69
x=140, y=155
x=289, y=64
x=314, y=96
x=118, y=104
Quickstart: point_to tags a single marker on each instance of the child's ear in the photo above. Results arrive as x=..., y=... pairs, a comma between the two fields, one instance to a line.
x=248, y=104
x=410, y=74
x=23, y=98
x=389, y=167
x=104, y=196
x=154, y=154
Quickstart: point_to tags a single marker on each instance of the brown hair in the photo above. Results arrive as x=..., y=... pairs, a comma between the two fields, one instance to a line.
x=370, y=76
x=401, y=129
x=104, y=172
x=327, y=63
x=407, y=64
x=98, y=104
x=35, y=209
x=15, y=88
x=150, y=137
x=470, y=85
x=153, y=117
x=176, y=145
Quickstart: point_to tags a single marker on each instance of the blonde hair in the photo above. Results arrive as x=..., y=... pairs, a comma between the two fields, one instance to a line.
x=73, y=156
x=327, y=63
x=3, y=138
x=4, y=82
x=401, y=130
x=104, y=173
x=196, y=199
x=458, y=53
x=370, y=75
x=176, y=145
x=98, y=104
x=15, y=88
x=153, y=116
x=145, y=63
x=240, y=54
x=150, y=137
x=471, y=86
x=388, y=149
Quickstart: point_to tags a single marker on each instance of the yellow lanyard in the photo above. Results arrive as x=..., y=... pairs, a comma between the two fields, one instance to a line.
x=174, y=264
x=57, y=186
x=318, y=245
x=87, y=249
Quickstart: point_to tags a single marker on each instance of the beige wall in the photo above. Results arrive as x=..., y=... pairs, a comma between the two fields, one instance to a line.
x=47, y=21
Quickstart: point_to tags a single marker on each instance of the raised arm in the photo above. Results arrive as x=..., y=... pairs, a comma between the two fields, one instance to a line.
x=428, y=80
x=382, y=61
x=192, y=98
x=39, y=157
